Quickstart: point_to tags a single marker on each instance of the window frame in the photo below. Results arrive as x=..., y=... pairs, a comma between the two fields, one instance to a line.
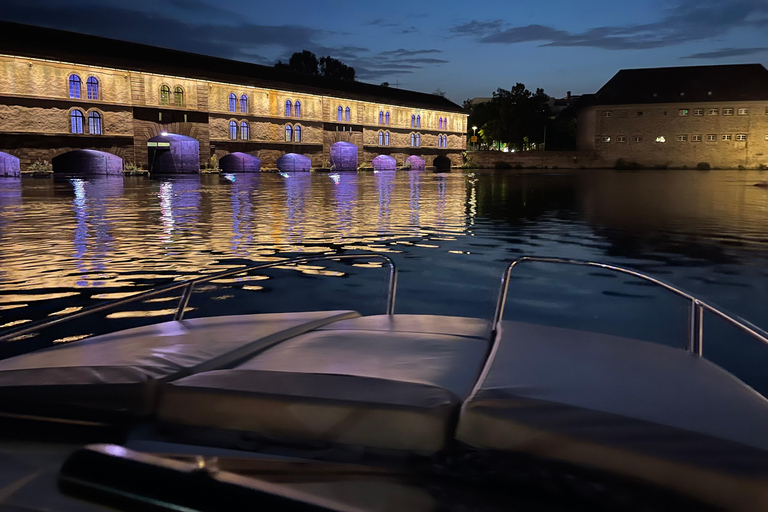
x=711, y=137
x=696, y=137
x=637, y=138
x=245, y=130
x=386, y=118
x=347, y=112
x=297, y=108
x=713, y=111
x=726, y=136
x=741, y=137
x=621, y=138
x=607, y=113
x=683, y=112
x=727, y=111
x=288, y=108
x=232, y=102
x=698, y=112
x=92, y=88
x=75, y=86
x=386, y=138
x=288, y=133
x=682, y=138
x=76, y=121
x=380, y=135
x=95, y=118
x=165, y=95
x=244, y=107
x=340, y=114
x=233, y=129
x=743, y=111
x=178, y=96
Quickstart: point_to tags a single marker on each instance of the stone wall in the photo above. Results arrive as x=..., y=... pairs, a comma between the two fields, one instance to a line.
x=536, y=160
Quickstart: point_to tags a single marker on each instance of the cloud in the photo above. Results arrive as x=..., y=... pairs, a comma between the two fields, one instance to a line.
x=683, y=22
x=726, y=52
x=381, y=22
x=402, y=52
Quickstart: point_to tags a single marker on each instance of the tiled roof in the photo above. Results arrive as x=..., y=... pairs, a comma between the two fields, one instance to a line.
x=45, y=43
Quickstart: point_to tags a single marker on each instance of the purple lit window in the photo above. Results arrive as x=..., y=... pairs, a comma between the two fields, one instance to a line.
x=244, y=104
x=418, y=121
x=165, y=95
x=232, y=101
x=418, y=140
x=386, y=138
x=297, y=109
x=346, y=114
x=381, y=117
x=178, y=97
x=386, y=119
x=92, y=88
x=413, y=140
x=244, y=130
x=339, y=113
x=297, y=133
x=233, y=130
x=445, y=123
x=413, y=121
x=94, y=123
x=74, y=87
x=288, y=133
x=76, y=121
x=381, y=138
x=288, y=108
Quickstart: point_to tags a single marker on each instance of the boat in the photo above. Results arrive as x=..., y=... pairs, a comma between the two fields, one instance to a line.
x=330, y=409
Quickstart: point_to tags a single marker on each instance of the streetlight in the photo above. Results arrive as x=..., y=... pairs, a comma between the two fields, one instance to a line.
x=474, y=137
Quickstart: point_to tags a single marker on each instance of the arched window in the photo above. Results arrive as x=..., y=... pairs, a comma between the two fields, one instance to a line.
x=440, y=124
x=92, y=88
x=297, y=133
x=94, y=123
x=288, y=133
x=346, y=114
x=413, y=121
x=445, y=123
x=74, y=86
x=165, y=95
x=297, y=109
x=76, y=121
x=178, y=97
x=386, y=138
x=418, y=121
x=233, y=130
x=245, y=130
x=413, y=140
x=418, y=140
x=232, y=101
x=381, y=138
x=339, y=113
x=381, y=117
x=386, y=119
x=244, y=104
x=288, y=108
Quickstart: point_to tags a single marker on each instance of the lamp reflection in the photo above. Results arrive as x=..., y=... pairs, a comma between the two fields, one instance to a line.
x=385, y=184
x=243, y=185
x=345, y=199
x=297, y=185
x=179, y=205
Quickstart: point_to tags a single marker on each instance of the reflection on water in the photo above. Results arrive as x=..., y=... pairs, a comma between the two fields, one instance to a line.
x=80, y=240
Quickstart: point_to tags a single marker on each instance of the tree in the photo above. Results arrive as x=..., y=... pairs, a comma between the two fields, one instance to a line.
x=439, y=92
x=334, y=68
x=307, y=63
x=301, y=62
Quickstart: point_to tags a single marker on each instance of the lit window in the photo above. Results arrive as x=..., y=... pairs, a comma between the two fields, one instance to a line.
x=413, y=140
x=445, y=123
x=639, y=113
x=712, y=112
x=178, y=97
x=386, y=138
x=233, y=130
x=621, y=138
x=244, y=104
x=711, y=137
x=637, y=138
x=743, y=111
x=76, y=121
x=381, y=136
x=698, y=111
x=766, y=136
x=297, y=133
x=381, y=117
x=418, y=121
x=74, y=87
x=339, y=113
x=741, y=136
x=440, y=124
x=386, y=119
x=418, y=140
x=346, y=115
x=413, y=121
x=288, y=133
x=297, y=109
x=605, y=138
x=232, y=102
x=682, y=112
x=165, y=95
x=244, y=131
x=92, y=88
x=695, y=138
x=727, y=111
x=94, y=123
x=607, y=113
x=288, y=108
x=726, y=137
x=661, y=139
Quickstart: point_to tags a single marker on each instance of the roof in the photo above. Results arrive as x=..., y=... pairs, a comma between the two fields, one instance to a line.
x=735, y=82
x=45, y=43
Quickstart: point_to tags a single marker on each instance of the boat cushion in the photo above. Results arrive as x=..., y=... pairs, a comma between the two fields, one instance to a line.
x=118, y=371
x=376, y=388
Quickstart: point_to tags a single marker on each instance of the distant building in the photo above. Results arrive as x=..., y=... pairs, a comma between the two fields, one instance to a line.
x=479, y=99
x=680, y=116
x=557, y=105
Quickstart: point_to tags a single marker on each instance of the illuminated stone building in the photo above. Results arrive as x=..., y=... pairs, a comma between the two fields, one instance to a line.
x=680, y=116
x=61, y=91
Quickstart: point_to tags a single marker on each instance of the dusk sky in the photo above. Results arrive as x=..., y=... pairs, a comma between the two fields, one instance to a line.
x=466, y=48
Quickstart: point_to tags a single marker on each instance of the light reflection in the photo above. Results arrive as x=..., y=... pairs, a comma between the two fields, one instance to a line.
x=345, y=201
x=385, y=184
x=243, y=186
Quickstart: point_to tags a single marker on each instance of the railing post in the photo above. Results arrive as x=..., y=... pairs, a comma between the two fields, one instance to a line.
x=696, y=332
x=392, y=289
x=184, y=301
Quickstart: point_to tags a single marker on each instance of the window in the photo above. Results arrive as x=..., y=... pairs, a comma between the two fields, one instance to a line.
x=76, y=121
x=418, y=121
x=607, y=113
x=713, y=112
x=386, y=119
x=766, y=137
x=639, y=113
x=165, y=95
x=381, y=117
x=637, y=138
x=741, y=136
x=297, y=133
x=74, y=87
x=339, y=113
x=92, y=88
x=178, y=97
x=661, y=139
x=682, y=112
x=605, y=138
x=289, y=108
x=94, y=123
x=682, y=138
x=726, y=137
x=440, y=125
x=727, y=111
x=288, y=133
x=245, y=131
x=698, y=112
x=445, y=123
x=346, y=114
x=381, y=134
x=696, y=138
x=233, y=130
x=413, y=121
x=711, y=137
x=743, y=111
x=621, y=138
x=232, y=102
x=766, y=111
x=386, y=138
x=418, y=140
x=623, y=113
x=244, y=104
x=297, y=109
x=413, y=139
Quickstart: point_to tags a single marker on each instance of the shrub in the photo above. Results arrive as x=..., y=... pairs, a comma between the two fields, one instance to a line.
x=213, y=163
x=703, y=166
x=41, y=166
x=660, y=167
x=762, y=167
x=741, y=167
x=502, y=165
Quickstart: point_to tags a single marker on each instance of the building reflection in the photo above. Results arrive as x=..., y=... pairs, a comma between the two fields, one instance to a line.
x=179, y=199
x=385, y=184
x=242, y=187
x=414, y=199
x=345, y=200
x=297, y=188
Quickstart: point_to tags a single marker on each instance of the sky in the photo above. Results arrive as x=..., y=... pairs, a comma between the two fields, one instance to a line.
x=465, y=49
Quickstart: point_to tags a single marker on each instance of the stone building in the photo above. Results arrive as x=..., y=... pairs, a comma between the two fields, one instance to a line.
x=680, y=117
x=61, y=91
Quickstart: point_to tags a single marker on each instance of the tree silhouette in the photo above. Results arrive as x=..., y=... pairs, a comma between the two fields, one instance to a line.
x=307, y=63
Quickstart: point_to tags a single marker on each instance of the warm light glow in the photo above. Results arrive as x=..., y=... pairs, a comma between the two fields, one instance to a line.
x=164, y=134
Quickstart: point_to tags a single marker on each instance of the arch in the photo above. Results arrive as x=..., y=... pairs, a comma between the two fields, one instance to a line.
x=386, y=118
x=173, y=154
x=413, y=120
x=92, y=88
x=76, y=119
x=442, y=164
x=239, y=162
x=232, y=101
x=386, y=138
x=288, y=108
x=415, y=163
x=381, y=138
x=87, y=161
x=233, y=130
x=343, y=156
x=74, y=86
x=297, y=133
x=94, y=123
x=346, y=114
x=340, y=113
x=243, y=104
x=165, y=95
x=245, y=130
x=10, y=165
x=293, y=162
x=418, y=121
x=297, y=109
x=288, y=133
x=178, y=96
x=418, y=140
x=413, y=140
x=384, y=163
x=381, y=117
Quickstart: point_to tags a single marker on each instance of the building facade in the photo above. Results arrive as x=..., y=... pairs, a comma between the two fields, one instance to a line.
x=114, y=96
x=680, y=117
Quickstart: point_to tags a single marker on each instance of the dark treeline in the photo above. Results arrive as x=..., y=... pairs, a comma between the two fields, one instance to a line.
x=521, y=120
x=307, y=63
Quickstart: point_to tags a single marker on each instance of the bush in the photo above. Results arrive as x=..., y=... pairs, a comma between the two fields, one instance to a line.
x=623, y=165
x=660, y=167
x=502, y=165
x=741, y=167
x=762, y=167
x=703, y=166
x=41, y=166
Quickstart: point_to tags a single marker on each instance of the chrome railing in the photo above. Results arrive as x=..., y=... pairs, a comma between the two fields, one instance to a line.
x=189, y=286
x=696, y=309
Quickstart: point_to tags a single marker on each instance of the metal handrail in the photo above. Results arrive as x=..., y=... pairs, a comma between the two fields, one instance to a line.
x=189, y=285
x=696, y=312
